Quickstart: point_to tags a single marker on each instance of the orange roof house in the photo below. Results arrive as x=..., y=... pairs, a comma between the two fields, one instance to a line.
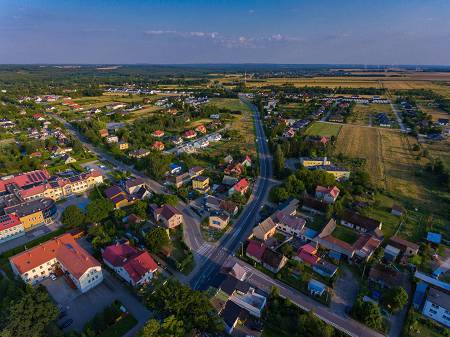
x=35, y=264
x=201, y=128
x=158, y=133
x=189, y=134
x=158, y=146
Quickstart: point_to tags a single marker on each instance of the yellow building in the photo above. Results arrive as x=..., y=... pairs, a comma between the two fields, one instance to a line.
x=123, y=145
x=32, y=220
x=201, y=184
x=319, y=161
x=339, y=173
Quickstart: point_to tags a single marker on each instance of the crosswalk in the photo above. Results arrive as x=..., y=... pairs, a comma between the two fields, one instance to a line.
x=205, y=249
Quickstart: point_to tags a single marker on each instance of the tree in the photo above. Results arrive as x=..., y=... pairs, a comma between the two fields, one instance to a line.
x=140, y=209
x=170, y=327
x=368, y=313
x=278, y=194
x=29, y=316
x=278, y=161
x=191, y=307
x=309, y=325
x=150, y=329
x=98, y=210
x=394, y=299
x=157, y=239
x=72, y=216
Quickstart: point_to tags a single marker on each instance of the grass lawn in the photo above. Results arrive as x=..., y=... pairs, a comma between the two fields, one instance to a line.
x=120, y=328
x=323, y=129
x=345, y=234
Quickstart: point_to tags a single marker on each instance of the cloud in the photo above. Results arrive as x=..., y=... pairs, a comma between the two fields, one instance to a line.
x=211, y=35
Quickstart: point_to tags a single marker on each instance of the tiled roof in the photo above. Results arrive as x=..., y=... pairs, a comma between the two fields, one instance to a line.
x=64, y=248
x=8, y=221
x=256, y=249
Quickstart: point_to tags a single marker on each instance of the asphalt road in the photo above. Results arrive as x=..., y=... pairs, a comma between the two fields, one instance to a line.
x=217, y=255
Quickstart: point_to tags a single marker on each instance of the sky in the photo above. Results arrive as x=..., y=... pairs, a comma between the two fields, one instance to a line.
x=214, y=31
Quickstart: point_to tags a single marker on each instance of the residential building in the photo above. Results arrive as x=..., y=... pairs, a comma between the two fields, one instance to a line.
x=265, y=229
x=255, y=250
x=159, y=146
x=327, y=194
x=158, y=133
x=33, y=213
x=133, y=185
x=136, y=267
x=112, y=139
x=437, y=306
x=273, y=260
x=407, y=248
x=289, y=224
x=359, y=222
x=189, y=134
x=180, y=179
x=201, y=184
x=168, y=215
x=311, y=162
x=218, y=220
x=196, y=171
x=240, y=187
x=140, y=153
x=10, y=227
x=62, y=252
x=123, y=146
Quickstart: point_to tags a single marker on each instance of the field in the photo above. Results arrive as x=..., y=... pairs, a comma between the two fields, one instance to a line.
x=393, y=166
x=435, y=112
x=323, y=129
x=438, y=82
x=362, y=114
x=345, y=234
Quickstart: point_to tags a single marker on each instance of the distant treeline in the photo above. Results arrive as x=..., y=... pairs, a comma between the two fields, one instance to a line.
x=289, y=89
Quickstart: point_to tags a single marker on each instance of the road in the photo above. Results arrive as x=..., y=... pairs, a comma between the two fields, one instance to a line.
x=192, y=234
x=341, y=322
x=214, y=257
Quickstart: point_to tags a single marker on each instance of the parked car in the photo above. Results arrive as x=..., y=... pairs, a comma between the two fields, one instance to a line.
x=53, y=276
x=66, y=324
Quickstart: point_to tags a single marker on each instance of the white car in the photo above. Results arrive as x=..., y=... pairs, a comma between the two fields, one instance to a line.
x=53, y=277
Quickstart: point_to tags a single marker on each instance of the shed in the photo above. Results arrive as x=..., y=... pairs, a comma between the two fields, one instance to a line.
x=316, y=288
x=391, y=253
x=434, y=238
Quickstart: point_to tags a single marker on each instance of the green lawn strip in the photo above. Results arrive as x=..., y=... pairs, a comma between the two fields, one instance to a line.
x=323, y=129
x=120, y=328
x=345, y=234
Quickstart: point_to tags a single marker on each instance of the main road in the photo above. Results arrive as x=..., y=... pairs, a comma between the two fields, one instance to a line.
x=214, y=258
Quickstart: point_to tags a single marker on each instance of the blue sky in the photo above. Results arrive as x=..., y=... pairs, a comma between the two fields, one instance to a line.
x=302, y=31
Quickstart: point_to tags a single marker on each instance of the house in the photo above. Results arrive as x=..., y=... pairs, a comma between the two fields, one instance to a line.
x=437, y=306
x=159, y=146
x=325, y=268
x=177, y=140
x=68, y=159
x=240, y=187
x=339, y=173
x=168, y=215
x=316, y=288
x=229, y=207
x=112, y=139
x=314, y=206
x=201, y=128
x=134, y=266
x=218, y=220
x=384, y=277
x=234, y=169
x=180, y=179
x=33, y=213
x=103, y=133
x=442, y=121
x=397, y=210
x=133, y=185
x=290, y=224
x=195, y=171
x=189, y=134
x=327, y=194
x=201, y=184
x=174, y=168
x=273, y=260
x=140, y=153
x=123, y=200
x=232, y=314
x=63, y=252
x=229, y=181
x=123, y=146
x=158, y=133
x=228, y=159
x=307, y=254
x=265, y=229
x=247, y=162
x=255, y=250
x=406, y=248
x=10, y=227
x=359, y=222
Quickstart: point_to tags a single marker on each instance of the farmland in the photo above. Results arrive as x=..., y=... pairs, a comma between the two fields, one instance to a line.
x=394, y=167
x=363, y=114
x=323, y=129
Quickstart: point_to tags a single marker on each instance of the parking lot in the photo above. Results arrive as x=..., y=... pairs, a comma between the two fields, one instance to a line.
x=82, y=307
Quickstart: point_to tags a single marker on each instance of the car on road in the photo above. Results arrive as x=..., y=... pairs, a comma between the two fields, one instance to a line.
x=102, y=167
x=66, y=324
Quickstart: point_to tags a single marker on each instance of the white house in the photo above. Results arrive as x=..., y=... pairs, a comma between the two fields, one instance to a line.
x=437, y=306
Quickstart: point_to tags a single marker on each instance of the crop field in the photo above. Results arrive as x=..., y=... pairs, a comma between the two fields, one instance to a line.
x=323, y=129
x=434, y=111
x=394, y=167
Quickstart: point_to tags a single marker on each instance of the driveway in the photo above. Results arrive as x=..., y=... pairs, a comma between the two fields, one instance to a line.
x=82, y=307
x=346, y=289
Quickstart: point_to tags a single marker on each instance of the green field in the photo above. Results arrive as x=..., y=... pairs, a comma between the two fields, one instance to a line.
x=345, y=234
x=323, y=129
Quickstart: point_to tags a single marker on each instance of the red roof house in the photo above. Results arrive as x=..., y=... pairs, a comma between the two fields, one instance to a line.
x=158, y=146
x=327, y=194
x=189, y=134
x=134, y=266
x=158, y=133
x=307, y=255
x=240, y=187
x=201, y=128
x=255, y=250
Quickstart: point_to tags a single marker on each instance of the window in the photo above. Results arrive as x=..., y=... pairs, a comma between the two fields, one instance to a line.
x=433, y=311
